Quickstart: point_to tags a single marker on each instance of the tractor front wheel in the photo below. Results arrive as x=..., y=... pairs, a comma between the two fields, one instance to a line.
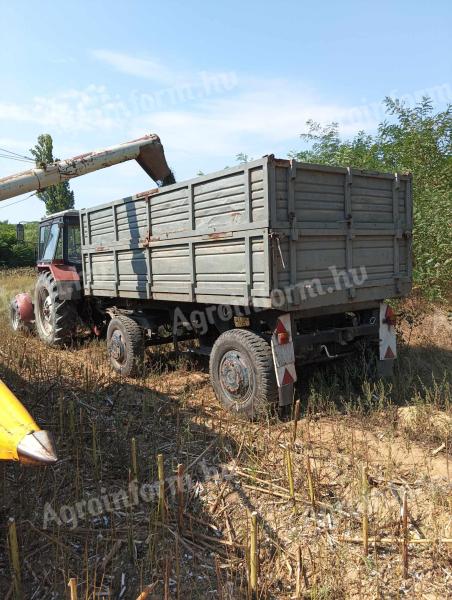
x=15, y=318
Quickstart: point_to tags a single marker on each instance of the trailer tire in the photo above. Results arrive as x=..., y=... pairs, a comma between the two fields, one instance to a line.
x=55, y=319
x=242, y=373
x=125, y=345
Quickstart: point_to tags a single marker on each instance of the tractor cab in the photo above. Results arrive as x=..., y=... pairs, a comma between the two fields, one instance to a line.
x=59, y=239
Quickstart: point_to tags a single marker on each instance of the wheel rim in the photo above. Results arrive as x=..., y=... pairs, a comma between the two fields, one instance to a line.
x=45, y=311
x=236, y=377
x=117, y=349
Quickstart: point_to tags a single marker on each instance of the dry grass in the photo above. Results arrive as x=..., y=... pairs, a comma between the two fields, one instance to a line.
x=346, y=424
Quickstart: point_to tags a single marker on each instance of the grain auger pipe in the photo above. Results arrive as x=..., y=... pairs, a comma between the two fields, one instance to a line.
x=20, y=437
x=147, y=151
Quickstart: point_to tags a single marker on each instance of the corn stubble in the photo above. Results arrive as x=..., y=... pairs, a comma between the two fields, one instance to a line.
x=344, y=504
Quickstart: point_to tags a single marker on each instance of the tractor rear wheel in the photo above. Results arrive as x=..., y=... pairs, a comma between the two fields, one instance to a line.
x=55, y=319
x=125, y=345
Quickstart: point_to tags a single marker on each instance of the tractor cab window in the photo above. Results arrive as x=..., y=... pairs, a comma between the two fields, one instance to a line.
x=44, y=233
x=50, y=242
x=74, y=245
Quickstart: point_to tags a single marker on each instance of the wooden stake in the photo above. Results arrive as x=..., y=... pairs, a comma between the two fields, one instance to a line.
x=219, y=579
x=296, y=416
x=134, y=459
x=405, y=535
x=381, y=541
x=161, y=472
x=299, y=573
x=365, y=525
x=94, y=447
x=147, y=590
x=253, y=556
x=290, y=474
x=180, y=495
x=14, y=559
x=72, y=585
x=178, y=586
x=166, y=589
x=311, y=487
x=61, y=413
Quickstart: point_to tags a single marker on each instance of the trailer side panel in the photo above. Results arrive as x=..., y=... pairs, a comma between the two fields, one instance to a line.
x=272, y=233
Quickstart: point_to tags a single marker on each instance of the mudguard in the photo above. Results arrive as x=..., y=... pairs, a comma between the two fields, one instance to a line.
x=284, y=359
x=67, y=278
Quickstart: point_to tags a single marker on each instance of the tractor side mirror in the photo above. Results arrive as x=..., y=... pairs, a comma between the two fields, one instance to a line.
x=20, y=233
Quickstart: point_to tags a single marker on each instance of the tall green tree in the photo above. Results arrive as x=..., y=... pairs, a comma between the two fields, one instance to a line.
x=416, y=140
x=57, y=197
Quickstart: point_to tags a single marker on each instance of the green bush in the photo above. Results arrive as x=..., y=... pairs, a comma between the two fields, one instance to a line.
x=415, y=140
x=14, y=254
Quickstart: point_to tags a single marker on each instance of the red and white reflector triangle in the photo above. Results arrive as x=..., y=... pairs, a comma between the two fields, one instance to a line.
x=280, y=327
x=287, y=378
x=389, y=353
x=286, y=375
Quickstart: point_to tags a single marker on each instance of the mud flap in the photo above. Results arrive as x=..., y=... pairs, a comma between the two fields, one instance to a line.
x=387, y=335
x=284, y=359
x=387, y=342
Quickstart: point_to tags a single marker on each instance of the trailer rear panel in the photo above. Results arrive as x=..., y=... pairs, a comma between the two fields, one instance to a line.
x=271, y=233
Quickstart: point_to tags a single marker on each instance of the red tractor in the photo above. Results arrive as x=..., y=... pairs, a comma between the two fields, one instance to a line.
x=58, y=301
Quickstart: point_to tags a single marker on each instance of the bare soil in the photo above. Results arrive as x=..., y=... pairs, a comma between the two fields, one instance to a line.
x=348, y=426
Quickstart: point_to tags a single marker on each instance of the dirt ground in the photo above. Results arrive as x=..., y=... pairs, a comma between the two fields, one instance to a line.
x=355, y=451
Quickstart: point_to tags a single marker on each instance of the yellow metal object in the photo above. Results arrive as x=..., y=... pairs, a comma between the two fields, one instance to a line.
x=15, y=424
x=20, y=437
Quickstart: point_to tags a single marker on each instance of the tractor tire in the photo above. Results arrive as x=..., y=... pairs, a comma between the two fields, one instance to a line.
x=242, y=373
x=125, y=346
x=55, y=319
x=15, y=320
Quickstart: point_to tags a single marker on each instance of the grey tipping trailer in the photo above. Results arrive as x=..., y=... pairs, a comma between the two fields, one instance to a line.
x=270, y=265
x=270, y=233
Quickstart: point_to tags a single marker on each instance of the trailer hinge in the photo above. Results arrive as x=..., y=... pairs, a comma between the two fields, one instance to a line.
x=349, y=176
x=293, y=226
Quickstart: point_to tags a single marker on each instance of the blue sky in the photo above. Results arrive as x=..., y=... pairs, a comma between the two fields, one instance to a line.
x=212, y=79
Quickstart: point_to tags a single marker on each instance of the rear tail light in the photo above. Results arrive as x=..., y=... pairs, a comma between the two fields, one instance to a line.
x=283, y=338
x=390, y=317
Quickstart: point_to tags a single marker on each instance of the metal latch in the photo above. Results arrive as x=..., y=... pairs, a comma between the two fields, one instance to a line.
x=275, y=236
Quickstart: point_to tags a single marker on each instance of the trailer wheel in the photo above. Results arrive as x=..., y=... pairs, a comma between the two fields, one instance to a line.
x=125, y=345
x=55, y=319
x=242, y=372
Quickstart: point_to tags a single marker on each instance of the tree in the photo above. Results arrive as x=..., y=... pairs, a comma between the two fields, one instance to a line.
x=416, y=140
x=12, y=253
x=57, y=197
x=242, y=158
